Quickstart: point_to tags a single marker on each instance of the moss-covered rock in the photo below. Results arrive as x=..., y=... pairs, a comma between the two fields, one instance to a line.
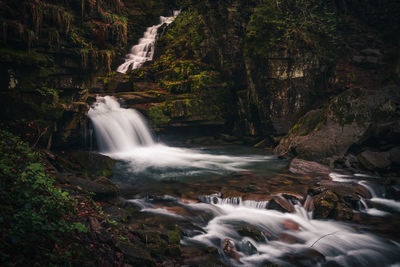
x=96, y=164
x=320, y=134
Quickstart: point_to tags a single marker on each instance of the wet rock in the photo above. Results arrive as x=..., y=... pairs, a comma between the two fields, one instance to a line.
x=325, y=203
x=305, y=257
x=135, y=254
x=252, y=232
x=287, y=238
x=300, y=166
x=95, y=163
x=291, y=225
x=374, y=160
x=281, y=204
x=155, y=241
x=102, y=187
x=200, y=256
x=229, y=249
x=343, y=212
x=309, y=203
x=329, y=205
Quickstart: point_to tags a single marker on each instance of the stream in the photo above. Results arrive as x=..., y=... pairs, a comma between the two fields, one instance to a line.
x=217, y=196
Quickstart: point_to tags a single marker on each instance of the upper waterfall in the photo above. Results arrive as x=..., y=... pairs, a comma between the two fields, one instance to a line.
x=144, y=50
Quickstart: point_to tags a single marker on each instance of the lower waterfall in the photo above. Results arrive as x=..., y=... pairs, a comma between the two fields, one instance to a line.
x=124, y=134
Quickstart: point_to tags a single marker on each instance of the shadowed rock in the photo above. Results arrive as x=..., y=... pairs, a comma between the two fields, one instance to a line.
x=300, y=166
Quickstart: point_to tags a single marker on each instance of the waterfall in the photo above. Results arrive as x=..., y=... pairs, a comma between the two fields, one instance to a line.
x=118, y=129
x=124, y=134
x=144, y=50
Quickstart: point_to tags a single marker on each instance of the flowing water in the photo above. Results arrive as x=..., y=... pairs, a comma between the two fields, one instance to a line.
x=288, y=239
x=144, y=50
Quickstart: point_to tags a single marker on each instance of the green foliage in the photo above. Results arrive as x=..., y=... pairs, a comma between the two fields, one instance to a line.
x=291, y=25
x=33, y=218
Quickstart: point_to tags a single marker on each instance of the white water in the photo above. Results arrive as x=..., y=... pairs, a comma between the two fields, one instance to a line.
x=376, y=191
x=144, y=50
x=338, y=242
x=123, y=134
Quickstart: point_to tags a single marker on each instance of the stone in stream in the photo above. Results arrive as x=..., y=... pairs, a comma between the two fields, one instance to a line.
x=291, y=225
x=281, y=204
x=287, y=238
x=329, y=206
x=300, y=166
x=229, y=249
x=309, y=203
x=252, y=232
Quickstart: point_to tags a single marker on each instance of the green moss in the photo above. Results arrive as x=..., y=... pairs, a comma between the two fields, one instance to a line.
x=157, y=116
x=310, y=122
x=174, y=237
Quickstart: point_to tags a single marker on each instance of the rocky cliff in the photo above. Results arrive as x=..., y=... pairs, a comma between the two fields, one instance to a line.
x=294, y=73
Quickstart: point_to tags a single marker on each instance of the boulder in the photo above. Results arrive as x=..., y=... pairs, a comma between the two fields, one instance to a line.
x=229, y=249
x=102, y=187
x=394, y=155
x=135, y=254
x=325, y=203
x=329, y=133
x=252, y=232
x=95, y=163
x=281, y=204
x=300, y=166
x=374, y=160
x=329, y=206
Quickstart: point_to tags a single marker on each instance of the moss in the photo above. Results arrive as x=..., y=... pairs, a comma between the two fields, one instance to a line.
x=312, y=121
x=174, y=237
x=157, y=116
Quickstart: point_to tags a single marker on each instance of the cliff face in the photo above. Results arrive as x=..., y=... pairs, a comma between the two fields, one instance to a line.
x=281, y=69
x=50, y=51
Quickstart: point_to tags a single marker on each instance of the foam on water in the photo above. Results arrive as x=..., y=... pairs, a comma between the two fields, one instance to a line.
x=336, y=241
x=339, y=242
x=123, y=134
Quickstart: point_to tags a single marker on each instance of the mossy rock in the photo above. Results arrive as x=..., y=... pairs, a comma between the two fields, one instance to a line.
x=325, y=203
x=174, y=237
x=135, y=254
x=94, y=163
x=252, y=232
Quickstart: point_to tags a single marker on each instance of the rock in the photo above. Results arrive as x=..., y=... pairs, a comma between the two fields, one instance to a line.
x=371, y=52
x=135, y=254
x=252, y=232
x=325, y=203
x=309, y=203
x=300, y=166
x=374, y=160
x=95, y=163
x=229, y=249
x=394, y=155
x=346, y=121
x=291, y=225
x=103, y=188
x=343, y=212
x=287, y=238
x=281, y=204
x=328, y=205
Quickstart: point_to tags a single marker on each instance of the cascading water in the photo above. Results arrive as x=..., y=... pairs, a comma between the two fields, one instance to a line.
x=124, y=134
x=287, y=239
x=144, y=50
x=118, y=129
